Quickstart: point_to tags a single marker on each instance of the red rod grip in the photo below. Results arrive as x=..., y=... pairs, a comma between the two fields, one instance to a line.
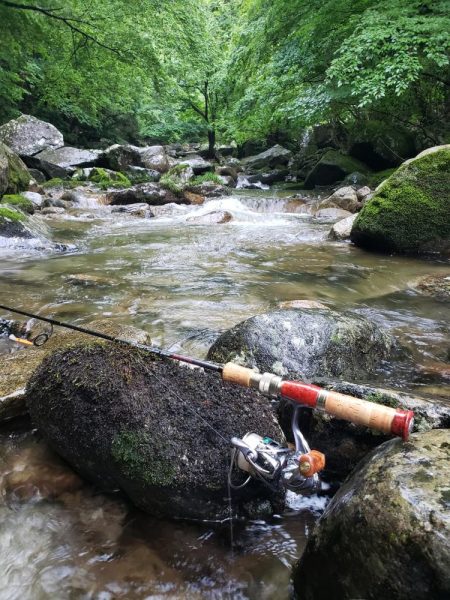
x=361, y=412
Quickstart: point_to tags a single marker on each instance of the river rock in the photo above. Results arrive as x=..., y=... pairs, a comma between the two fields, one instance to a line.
x=209, y=189
x=410, y=211
x=14, y=175
x=332, y=214
x=140, y=210
x=305, y=343
x=342, y=229
x=119, y=157
x=69, y=157
x=18, y=367
x=34, y=197
x=199, y=165
x=363, y=193
x=386, y=533
x=332, y=167
x=150, y=193
x=27, y=135
x=345, y=198
x=142, y=175
x=49, y=169
x=268, y=177
x=436, y=286
x=215, y=217
x=37, y=176
x=155, y=158
x=157, y=430
x=270, y=159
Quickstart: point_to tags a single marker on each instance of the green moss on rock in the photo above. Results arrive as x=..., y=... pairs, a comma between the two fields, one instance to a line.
x=107, y=179
x=410, y=211
x=14, y=175
x=12, y=215
x=18, y=201
x=128, y=449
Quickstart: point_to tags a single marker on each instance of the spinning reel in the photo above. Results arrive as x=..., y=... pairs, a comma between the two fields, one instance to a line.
x=278, y=467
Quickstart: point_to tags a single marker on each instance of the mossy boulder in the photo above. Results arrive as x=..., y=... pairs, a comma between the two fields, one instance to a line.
x=305, y=343
x=18, y=201
x=410, y=211
x=14, y=175
x=333, y=166
x=106, y=178
x=158, y=431
x=386, y=533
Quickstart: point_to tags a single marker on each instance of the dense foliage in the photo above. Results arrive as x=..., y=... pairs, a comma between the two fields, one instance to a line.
x=171, y=70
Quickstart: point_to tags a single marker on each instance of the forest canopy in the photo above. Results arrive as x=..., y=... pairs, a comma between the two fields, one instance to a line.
x=175, y=70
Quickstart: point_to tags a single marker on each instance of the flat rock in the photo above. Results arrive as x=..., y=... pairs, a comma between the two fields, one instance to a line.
x=69, y=157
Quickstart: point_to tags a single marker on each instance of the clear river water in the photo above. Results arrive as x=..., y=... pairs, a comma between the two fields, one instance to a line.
x=184, y=283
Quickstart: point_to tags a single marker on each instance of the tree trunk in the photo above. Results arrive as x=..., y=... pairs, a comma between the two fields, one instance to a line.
x=211, y=142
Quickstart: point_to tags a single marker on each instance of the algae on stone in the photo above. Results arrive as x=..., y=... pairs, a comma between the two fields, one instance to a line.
x=410, y=212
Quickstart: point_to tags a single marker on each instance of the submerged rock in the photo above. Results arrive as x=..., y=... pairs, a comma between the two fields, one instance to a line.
x=386, y=533
x=436, y=286
x=27, y=135
x=305, y=343
x=14, y=175
x=410, y=211
x=215, y=217
x=157, y=430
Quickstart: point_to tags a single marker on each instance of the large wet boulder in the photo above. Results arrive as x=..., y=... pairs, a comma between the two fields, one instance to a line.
x=156, y=430
x=270, y=159
x=410, y=211
x=14, y=175
x=305, y=343
x=386, y=533
x=345, y=198
x=27, y=135
x=69, y=158
x=333, y=166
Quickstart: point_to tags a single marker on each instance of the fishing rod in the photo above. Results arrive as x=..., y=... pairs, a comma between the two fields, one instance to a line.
x=388, y=420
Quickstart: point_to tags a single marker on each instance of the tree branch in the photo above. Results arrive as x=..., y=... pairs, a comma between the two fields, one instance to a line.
x=71, y=22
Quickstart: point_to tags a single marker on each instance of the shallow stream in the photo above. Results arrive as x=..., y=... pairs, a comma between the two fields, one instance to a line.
x=185, y=283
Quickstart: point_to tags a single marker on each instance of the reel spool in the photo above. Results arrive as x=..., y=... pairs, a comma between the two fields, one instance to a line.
x=276, y=466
